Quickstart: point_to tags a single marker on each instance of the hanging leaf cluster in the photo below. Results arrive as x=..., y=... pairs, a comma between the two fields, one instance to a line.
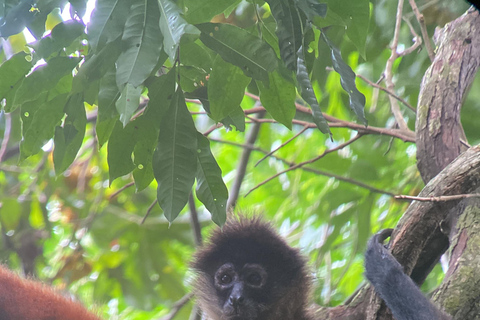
x=166, y=51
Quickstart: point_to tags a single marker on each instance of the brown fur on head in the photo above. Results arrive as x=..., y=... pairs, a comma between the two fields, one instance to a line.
x=244, y=241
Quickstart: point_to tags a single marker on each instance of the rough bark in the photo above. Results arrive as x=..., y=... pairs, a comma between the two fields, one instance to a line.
x=438, y=128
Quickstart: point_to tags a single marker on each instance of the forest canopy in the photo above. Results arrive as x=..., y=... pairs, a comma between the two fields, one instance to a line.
x=130, y=128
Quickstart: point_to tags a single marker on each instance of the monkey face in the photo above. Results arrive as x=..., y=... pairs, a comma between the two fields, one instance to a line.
x=241, y=290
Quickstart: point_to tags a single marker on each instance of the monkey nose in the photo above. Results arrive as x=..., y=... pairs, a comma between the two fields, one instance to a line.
x=236, y=301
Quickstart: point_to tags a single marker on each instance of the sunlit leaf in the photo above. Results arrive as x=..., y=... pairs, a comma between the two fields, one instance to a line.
x=205, y=10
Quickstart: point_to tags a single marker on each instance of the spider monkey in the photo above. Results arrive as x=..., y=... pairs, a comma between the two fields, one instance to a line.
x=397, y=289
x=22, y=299
x=248, y=272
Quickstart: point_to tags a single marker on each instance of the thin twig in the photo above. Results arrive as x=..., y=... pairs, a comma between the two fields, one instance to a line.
x=282, y=145
x=150, y=208
x=301, y=164
x=389, y=70
x=242, y=164
x=417, y=39
x=423, y=28
x=373, y=84
x=178, y=306
x=116, y=193
x=439, y=198
x=308, y=169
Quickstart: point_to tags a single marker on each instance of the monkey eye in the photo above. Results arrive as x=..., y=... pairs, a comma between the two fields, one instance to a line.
x=254, y=279
x=225, y=279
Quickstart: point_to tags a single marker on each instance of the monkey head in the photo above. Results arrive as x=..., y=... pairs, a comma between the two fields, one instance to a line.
x=248, y=272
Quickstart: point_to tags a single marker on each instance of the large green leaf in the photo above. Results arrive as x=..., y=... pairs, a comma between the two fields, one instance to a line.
x=39, y=119
x=144, y=43
x=356, y=17
x=278, y=98
x=175, y=161
x=107, y=113
x=347, y=79
x=12, y=73
x=69, y=138
x=173, y=27
x=95, y=66
x=237, y=46
x=312, y=8
x=160, y=93
x=107, y=22
x=226, y=88
x=307, y=93
x=289, y=30
x=61, y=36
x=211, y=189
x=43, y=79
x=128, y=102
x=203, y=11
x=119, y=150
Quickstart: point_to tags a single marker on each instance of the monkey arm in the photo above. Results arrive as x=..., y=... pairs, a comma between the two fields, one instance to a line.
x=398, y=290
x=22, y=299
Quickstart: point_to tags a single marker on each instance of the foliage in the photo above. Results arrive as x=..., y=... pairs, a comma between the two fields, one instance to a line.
x=151, y=80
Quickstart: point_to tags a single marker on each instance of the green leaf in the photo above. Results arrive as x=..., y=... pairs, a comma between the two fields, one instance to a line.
x=307, y=93
x=278, y=98
x=236, y=118
x=43, y=79
x=173, y=27
x=356, y=17
x=174, y=161
x=79, y=7
x=12, y=73
x=203, y=11
x=289, y=30
x=16, y=19
x=119, y=150
x=347, y=79
x=62, y=36
x=236, y=46
x=69, y=138
x=144, y=43
x=128, y=102
x=39, y=119
x=107, y=113
x=211, y=189
x=160, y=94
x=95, y=66
x=107, y=22
x=226, y=88
x=143, y=152
x=312, y=8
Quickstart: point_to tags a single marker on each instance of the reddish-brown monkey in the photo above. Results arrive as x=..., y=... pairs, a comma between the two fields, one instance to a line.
x=22, y=299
